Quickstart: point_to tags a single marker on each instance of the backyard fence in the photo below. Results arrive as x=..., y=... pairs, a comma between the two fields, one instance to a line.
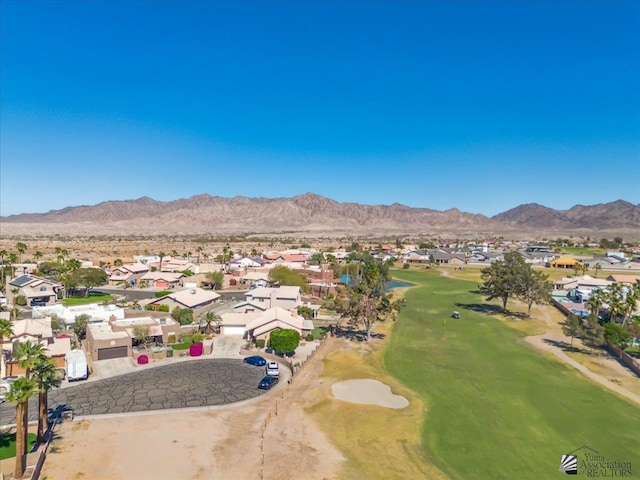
x=273, y=410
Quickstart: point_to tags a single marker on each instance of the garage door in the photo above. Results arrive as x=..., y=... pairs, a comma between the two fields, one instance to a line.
x=113, y=352
x=228, y=330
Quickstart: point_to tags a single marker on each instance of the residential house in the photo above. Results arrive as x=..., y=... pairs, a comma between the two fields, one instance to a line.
x=259, y=279
x=293, y=261
x=197, y=299
x=286, y=297
x=95, y=312
x=416, y=256
x=233, y=323
x=442, y=258
x=262, y=326
x=35, y=330
x=164, y=280
x=38, y=291
x=563, y=262
x=624, y=279
x=247, y=262
x=115, y=338
x=129, y=274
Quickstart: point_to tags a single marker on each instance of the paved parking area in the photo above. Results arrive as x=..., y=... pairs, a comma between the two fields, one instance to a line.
x=197, y=383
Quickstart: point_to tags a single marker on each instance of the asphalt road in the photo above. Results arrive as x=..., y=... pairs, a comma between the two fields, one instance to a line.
x=185, y=384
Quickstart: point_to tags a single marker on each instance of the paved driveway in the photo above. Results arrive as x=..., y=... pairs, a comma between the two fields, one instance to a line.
x=185, y=384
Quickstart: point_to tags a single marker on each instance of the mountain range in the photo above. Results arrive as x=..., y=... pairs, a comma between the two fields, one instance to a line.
x=313, y=215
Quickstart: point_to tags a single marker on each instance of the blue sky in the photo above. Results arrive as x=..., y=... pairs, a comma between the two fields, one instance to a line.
x=476, y=105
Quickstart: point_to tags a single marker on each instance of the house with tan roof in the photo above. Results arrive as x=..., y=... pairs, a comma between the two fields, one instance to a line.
x=130, y=274
x=162, y=279
x=197, y=299
x=286, y=297
x=624, y=279
x=262, y=326
x=37, y=290
x=234, y=323
x=35, y=330
x=289, y=260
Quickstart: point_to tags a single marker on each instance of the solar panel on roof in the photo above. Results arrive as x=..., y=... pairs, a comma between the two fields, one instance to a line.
x=21, y=280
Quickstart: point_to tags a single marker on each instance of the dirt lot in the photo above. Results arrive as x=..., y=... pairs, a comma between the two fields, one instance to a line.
x=220, y=443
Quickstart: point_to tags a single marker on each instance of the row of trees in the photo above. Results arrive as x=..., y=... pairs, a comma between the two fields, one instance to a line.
x=365, y=300
x=514, y=278
x=41, y=376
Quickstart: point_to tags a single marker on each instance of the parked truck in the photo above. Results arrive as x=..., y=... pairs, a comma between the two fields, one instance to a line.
x=76, y=365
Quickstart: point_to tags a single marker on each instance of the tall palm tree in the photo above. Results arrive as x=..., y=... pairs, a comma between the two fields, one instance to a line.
x=595, y=301
x=13, y=259
x=73, y=264
x=631, y=302
x=597, y=268
x=3, y=253
x=6, y=332
x=21, y=247
x=27, y=354
x=616, y=301
x=48, y=377
x=161, y=255
x=199, y=250
x=37, y=255
x=21, y=390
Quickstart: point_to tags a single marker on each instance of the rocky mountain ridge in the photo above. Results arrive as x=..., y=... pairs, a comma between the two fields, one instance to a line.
x=314, y=213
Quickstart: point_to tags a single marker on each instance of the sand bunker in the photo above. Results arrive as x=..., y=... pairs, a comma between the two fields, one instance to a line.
x=368, y=392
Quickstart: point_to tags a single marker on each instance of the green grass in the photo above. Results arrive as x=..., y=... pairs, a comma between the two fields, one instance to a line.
x=8, y=444
x=318, y=333
x=494, y=407
x=581, y=250
x=69, y=302
x=185, y=343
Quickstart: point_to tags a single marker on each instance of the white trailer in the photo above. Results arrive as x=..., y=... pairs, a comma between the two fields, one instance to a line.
x=76, y=365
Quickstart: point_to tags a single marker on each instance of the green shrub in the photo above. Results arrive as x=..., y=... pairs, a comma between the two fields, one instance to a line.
x=260, y=343
x=405, y=266
x=309, y=338
x=163, y=308
x=149, y=307
x=284, y=339
x=197, y=338
x=169, y=353
x=21, y=300
x=171, y=338
x=163, y=293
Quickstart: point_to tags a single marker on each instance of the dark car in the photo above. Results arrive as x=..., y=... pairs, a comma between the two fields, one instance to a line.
x=256, y=360
x=267, y=382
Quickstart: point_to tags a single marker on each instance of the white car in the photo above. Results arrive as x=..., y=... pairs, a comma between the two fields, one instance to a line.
x=273, y=369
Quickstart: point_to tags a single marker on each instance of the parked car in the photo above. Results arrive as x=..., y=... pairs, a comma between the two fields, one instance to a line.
x=256, y=360
x=273, y=369
x=267, y=382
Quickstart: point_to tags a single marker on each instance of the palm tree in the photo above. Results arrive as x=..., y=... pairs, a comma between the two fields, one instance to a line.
x=13, y=258
x=597, y=268
x=48, y=377
x=27, y=354
x=37, y=255
x=21, y=247
x=21, y=390
x=209, y=318
x=6, y=332
x=3, y=253
x=595, y=301
x=74, y=264
x=161, y=255
x=199, y=250
x=630, y=302
x=616, y=301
